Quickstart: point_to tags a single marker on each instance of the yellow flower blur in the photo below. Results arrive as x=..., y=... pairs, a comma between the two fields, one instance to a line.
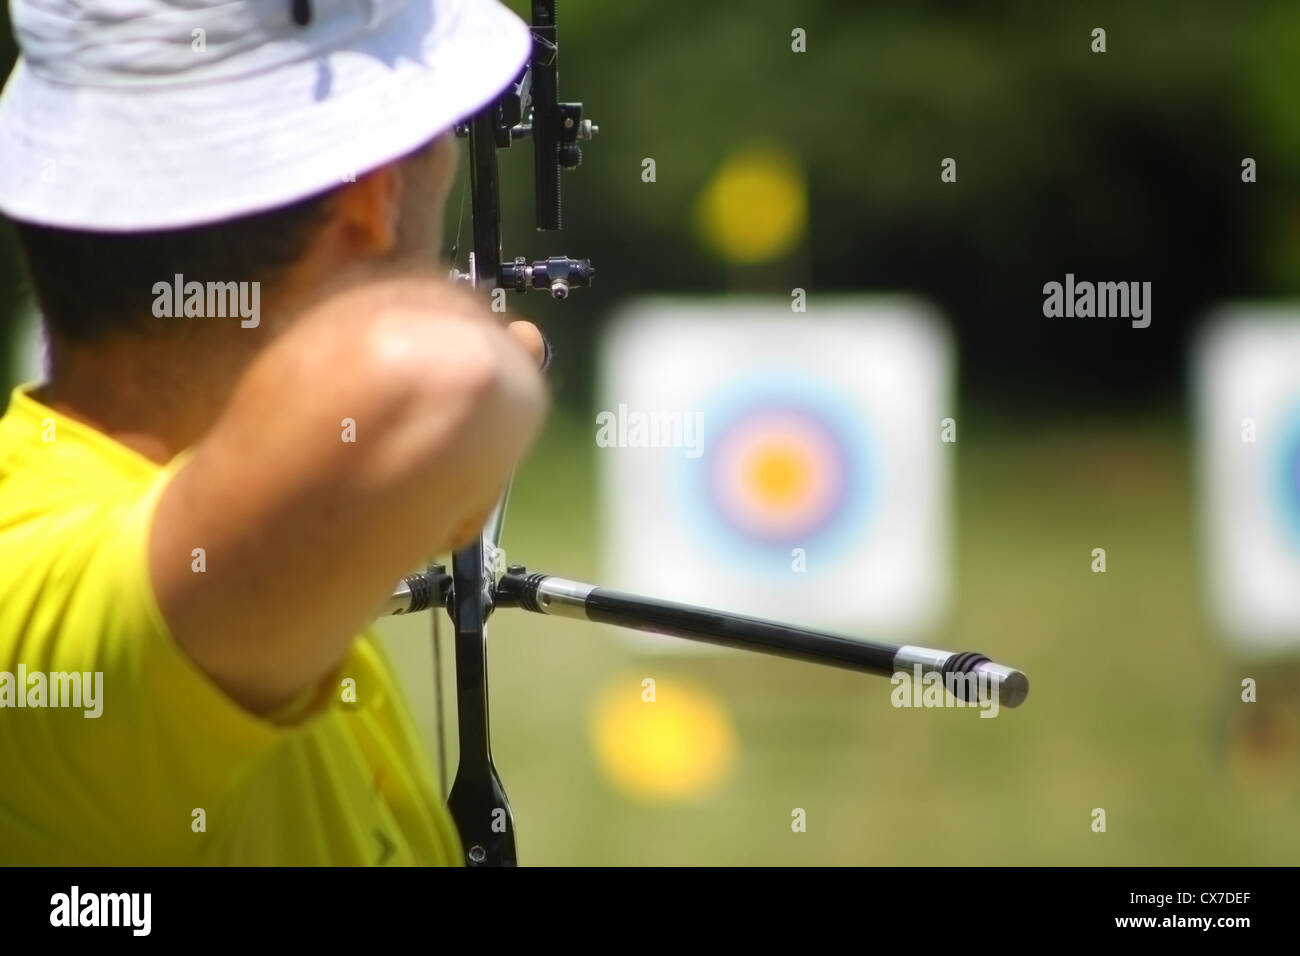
x=680, y=746
x=755, y=208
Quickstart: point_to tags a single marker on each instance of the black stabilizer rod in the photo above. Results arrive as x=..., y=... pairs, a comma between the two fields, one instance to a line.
x=967, y=674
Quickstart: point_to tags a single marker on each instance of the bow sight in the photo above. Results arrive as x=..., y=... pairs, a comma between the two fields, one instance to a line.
x=530, y=109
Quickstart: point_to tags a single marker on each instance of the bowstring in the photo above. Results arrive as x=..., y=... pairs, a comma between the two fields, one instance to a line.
x=438, y=701
x=460, y=218
x=441, y=727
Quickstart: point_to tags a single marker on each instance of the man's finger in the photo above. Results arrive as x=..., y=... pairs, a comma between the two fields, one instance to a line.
x=531, y=338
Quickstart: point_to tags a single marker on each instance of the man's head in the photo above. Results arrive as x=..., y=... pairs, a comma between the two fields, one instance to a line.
x=93, y=286
x=235, y=141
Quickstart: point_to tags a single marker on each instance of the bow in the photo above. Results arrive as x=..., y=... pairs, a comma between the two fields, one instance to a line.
x=530, y=109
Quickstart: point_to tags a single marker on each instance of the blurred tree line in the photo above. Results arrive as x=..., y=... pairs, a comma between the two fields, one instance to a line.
x=1118, y=166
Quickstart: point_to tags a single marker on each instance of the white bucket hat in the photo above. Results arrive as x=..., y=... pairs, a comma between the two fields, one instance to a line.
x=133, y=115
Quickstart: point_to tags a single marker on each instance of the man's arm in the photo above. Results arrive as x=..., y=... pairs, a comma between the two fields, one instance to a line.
x=305, y=533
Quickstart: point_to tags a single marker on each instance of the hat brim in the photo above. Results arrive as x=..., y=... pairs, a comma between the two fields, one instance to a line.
x=117, y=159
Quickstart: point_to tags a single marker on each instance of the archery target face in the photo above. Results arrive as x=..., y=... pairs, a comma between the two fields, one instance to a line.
x=778, y=464
x=1248, y=407
x=787, y=466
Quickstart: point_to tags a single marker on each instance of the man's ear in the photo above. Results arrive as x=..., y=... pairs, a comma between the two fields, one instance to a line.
x=367, y=210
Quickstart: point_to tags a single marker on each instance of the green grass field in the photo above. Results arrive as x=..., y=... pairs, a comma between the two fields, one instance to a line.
x=1135, y=707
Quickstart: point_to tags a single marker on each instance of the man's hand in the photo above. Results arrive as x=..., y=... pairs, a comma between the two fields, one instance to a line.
x=378, y=430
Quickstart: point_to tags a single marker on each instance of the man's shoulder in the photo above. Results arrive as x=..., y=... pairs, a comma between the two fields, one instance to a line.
x=51, y=463
x=74, y=507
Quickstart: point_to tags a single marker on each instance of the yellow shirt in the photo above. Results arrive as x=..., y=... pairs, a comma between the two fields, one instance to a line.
x=170, y=771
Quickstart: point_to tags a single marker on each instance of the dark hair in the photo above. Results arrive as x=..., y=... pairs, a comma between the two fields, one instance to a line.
x=90, y=286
